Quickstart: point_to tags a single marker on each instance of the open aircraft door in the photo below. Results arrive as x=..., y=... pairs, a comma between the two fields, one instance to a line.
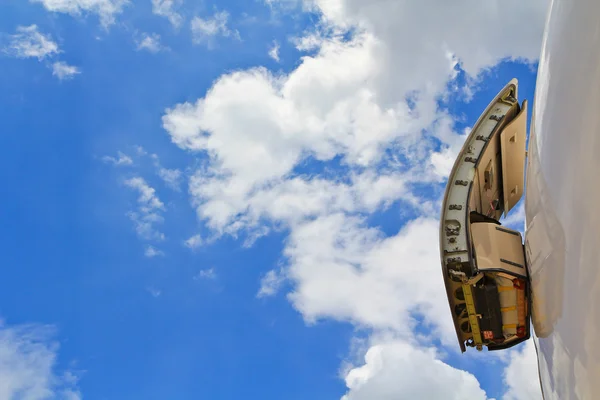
x=483, y=263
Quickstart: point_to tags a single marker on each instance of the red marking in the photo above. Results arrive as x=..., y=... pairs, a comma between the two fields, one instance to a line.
x=488, y=335
x=518, y=284
x=520, y=331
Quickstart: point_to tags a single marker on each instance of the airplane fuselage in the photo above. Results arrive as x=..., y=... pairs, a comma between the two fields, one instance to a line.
x=562, y=238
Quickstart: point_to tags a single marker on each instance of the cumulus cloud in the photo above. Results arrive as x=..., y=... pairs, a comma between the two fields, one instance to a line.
x=270, y=283
x=274, y=51
x=171, y=177
x=140, y=151
x=28, y=365
x=257, y=127
x=148, y=200
x=310, y=41
x=152, y=252
x=206, y=274
x=122, y=159
x=149, y=212
x=381, y=126
x=149, y=42
x=345, y=270
x=394, y=23
x=63, y=70
x=292, y=121
x=166, y=8
x=229, y=205
x=442, y=161
x=521, y=374
x=287, y=127
x=205, y=30
x=105, y=9
x=194, y=242
x=400, y=370
x=28, y=42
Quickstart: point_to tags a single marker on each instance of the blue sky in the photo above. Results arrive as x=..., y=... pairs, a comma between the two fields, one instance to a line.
x=215, y=200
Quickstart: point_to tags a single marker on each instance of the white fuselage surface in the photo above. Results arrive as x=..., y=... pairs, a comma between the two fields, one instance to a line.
x=563, y=202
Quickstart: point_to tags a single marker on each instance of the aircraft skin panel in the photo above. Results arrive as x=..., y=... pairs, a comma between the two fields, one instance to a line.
x=562, y=240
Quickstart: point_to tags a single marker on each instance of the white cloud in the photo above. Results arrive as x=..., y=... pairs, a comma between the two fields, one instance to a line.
x=277, y=135
x=258, y=127
x=270, y=283
x=149, y=42
x=140, y=150
x=122, y=159
x=148, y=200
x=71, y=395
x=172, y=177
x=206, y=274
x=105, y=9
x=166, y=8
x=145, y=225
x=28, y=42
x=345, y=270
x=395, y=23
x=521, y=374
x=62, y=70
x=152, y=252
x=230, y=206
x=28, y=370
x=274, y=51
x=194, y=242
x=443, y=160
x=400, y=370
x=309, y=42
x=379, y=123
x=321, y=109
x=205, y=30
x=254, y=235
x=149, y=210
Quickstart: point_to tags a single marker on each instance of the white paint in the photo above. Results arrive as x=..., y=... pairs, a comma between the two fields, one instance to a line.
x=563, y=224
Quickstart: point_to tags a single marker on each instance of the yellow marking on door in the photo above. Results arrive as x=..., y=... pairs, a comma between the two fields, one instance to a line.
x=505, y=288
x=470, y=302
